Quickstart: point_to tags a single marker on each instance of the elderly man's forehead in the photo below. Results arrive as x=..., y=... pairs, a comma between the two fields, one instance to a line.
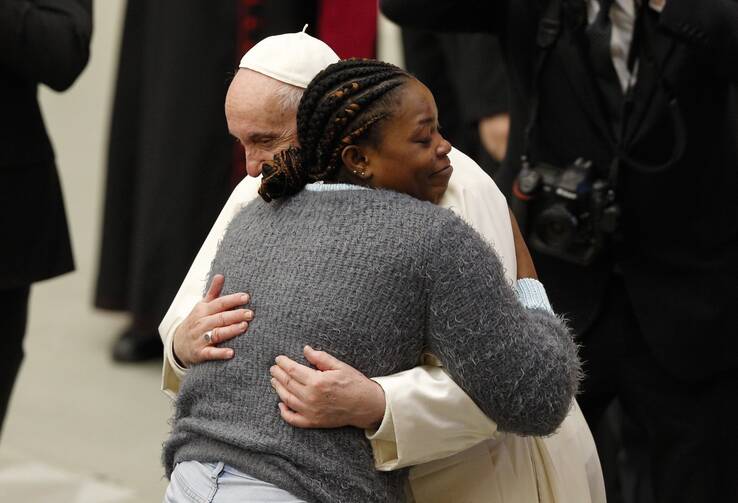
x=248, y=83
x=253, y=108
x=250, y=98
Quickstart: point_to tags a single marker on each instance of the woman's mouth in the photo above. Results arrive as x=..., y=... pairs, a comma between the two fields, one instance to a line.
x=444, y=171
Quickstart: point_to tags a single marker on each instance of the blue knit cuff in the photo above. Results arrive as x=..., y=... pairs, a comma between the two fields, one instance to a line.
x=532, y=295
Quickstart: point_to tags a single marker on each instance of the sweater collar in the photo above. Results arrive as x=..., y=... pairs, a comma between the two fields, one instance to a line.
x=330, y=187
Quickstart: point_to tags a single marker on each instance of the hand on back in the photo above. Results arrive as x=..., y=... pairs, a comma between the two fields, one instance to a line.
x=332, y=395
x=217, y=316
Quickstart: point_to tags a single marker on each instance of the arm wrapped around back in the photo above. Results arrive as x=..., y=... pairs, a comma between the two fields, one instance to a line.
x=519, y=365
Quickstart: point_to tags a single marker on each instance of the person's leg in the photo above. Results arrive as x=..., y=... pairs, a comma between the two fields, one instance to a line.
x=603, y=347
x=599, y=347
x=691, y=431
x=13, y=318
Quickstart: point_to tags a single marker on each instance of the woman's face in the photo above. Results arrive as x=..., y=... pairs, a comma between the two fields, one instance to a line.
x=412, y=156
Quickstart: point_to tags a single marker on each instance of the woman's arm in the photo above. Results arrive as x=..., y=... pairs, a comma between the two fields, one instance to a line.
x=46, y=40
x=518, y=365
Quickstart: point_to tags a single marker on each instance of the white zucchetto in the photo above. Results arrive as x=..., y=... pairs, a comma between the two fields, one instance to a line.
x=293, y=58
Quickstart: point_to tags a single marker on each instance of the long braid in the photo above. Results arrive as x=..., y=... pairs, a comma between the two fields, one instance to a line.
x=349, y=125
x=315, y=116
x=342, y=106
x=329, y=79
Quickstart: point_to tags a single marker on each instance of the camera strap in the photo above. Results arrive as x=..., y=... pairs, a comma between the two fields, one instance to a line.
x=549, y=28
x=641, y=38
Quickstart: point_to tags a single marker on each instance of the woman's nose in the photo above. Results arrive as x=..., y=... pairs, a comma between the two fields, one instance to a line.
x=443, y=148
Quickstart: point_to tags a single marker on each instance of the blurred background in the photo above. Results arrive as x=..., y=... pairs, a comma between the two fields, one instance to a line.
x=81, y=428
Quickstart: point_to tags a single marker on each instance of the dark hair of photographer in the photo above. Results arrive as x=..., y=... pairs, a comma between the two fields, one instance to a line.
x=342, y=106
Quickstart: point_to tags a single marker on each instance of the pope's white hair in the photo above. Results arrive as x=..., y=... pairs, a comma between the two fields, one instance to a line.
x=287, y=95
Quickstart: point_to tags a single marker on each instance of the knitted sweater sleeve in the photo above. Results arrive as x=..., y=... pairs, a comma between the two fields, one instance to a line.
x=519, y=365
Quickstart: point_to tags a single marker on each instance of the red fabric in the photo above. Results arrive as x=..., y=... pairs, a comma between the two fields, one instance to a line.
x=248, y=24
x=349, y=27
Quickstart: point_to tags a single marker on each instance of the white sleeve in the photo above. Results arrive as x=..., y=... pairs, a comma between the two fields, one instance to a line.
x=475, y=197
x=193, y=287
x=428, y=416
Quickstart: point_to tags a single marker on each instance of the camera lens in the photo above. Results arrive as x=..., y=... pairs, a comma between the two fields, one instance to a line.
x=556, y=227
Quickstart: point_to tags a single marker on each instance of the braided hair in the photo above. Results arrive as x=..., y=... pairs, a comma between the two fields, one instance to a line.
x=343, y=105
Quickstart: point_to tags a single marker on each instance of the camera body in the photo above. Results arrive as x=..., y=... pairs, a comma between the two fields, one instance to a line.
x=569, y=212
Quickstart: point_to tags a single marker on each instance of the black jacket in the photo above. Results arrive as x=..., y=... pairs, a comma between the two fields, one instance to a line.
x=43, y=41
x=679, y=253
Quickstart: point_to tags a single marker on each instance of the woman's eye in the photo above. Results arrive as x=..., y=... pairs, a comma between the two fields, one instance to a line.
x=423, y=141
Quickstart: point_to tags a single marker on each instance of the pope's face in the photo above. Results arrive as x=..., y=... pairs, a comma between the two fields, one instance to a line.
x=257, y=119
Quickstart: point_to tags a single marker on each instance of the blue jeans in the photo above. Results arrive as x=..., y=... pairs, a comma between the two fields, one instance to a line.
x=194, y=482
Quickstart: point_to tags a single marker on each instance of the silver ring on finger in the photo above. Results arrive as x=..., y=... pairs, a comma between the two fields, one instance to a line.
x=208, y=336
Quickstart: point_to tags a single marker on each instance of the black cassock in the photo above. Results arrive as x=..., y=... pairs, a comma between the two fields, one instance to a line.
x=170, y=158
x=170, y=155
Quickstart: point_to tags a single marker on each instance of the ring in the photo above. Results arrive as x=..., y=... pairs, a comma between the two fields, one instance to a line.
x=208, y=336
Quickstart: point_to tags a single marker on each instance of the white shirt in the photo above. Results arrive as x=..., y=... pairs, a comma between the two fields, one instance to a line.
x=622, y=17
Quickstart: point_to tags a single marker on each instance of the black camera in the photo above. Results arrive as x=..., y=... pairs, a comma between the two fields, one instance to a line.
x=568, y=213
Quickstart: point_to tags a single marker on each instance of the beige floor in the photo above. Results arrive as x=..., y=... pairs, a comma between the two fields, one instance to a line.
x=81, y=429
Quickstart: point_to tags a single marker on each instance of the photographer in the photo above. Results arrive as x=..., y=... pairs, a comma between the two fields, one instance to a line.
x=626, y=114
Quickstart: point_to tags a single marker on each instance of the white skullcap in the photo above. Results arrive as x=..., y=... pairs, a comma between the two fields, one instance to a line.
x=294, y=58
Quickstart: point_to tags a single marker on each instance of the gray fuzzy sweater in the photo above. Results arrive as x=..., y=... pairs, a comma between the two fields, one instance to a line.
x=375, y=278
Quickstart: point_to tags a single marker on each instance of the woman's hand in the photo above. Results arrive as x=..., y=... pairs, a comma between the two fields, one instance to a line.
x=214, y=315
x=526, y=269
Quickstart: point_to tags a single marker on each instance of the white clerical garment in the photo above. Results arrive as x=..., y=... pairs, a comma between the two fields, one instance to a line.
x=455, y=451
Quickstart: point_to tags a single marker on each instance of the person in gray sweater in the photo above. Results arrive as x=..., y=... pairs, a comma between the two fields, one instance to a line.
x=363, y=265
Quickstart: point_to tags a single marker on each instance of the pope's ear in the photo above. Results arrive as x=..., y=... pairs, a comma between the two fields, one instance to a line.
x=356, y=161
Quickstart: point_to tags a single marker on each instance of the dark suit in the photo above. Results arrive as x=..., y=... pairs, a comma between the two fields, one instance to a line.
x=44, y=41
x=667, y=314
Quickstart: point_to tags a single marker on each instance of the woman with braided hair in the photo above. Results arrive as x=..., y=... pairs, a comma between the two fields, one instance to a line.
x=352, y=257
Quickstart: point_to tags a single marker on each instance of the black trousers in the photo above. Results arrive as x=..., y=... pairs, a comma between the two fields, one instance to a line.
x=13, y=317
x=689, y=428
